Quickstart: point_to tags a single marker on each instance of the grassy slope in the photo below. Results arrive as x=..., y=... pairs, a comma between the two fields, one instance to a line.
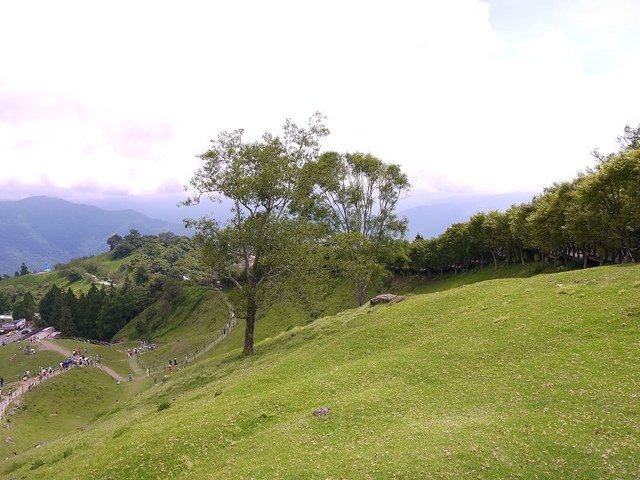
x=508, y=378
x=113, y=357
x=197, y=319
x=12, y=370
x=39, y=284
x=283, y=317
x=68, y=402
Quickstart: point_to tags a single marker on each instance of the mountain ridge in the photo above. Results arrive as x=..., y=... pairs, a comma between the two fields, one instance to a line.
x=41, y=229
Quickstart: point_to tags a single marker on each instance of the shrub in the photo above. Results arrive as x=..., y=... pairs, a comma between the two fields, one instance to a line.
x=164, y=405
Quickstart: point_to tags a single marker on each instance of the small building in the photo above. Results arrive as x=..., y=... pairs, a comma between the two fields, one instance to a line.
x=15, y=325
x=6, y=318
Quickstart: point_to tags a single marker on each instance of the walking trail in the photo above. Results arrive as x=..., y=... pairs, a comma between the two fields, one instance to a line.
x=227, y=329
x=30, y=383
x=45, y=345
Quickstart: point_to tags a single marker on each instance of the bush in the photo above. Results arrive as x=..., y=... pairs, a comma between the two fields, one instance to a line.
x=36, y=464
x=72, y=274
x=164, y=405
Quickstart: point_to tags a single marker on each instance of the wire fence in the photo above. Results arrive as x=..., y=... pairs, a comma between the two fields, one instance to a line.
x=12, y=390
x=172, y=365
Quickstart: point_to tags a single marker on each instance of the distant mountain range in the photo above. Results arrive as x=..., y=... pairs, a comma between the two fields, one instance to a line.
x=39, y=230
x=432, y=220
x=46, y=230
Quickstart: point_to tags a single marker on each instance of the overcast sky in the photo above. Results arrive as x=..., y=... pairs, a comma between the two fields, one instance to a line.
x=467, y=95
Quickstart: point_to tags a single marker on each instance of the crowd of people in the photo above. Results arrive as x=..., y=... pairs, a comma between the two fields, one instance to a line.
x=144, y=347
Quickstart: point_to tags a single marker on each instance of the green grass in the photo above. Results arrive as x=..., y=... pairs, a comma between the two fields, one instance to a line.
x=512, y=378
x=67, y=402
x=13, y=362
x=196, y=320
x=419, y=284
x=113, y=356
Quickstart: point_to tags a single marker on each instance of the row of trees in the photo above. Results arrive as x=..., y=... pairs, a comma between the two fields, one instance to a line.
x=101, y=313
x=297, y=214
x=593, y=219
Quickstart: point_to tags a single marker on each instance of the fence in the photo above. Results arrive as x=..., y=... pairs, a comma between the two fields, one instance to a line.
x=21, y=386
x=16, y=391
x=194, y=354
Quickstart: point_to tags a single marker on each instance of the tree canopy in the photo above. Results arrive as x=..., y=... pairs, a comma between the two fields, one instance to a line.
x=264, y=243
x=356, y=195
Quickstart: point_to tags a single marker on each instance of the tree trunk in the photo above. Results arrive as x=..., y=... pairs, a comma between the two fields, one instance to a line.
x=251, y=323
x=361, y=290
x=627, y=247
x=522, y=255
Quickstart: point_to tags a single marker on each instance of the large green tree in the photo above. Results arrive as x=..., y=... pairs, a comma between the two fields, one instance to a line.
x=356, y=194
x=25, y=308
x=264, y=242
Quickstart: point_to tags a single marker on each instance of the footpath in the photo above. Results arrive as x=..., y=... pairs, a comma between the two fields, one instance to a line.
x=227, y=328
x=136, y=364
x=26, y=385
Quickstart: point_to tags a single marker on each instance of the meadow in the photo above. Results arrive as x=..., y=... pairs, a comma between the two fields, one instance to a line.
x=507, y=378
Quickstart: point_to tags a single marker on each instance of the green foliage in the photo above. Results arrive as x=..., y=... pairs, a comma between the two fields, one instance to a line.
x=24, y=269
x=72, y=274
x=25, y=308
x=5, y=303
x=165, y=404
x=356, y=195
x=263, y=245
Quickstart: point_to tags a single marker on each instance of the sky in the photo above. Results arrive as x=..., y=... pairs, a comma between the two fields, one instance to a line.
x=117, y=98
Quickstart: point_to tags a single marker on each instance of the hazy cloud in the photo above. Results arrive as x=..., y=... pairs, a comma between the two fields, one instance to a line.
x=491, y=96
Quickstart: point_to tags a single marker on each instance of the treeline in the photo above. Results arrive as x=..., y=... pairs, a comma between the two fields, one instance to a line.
x=101, y=313
x=591, y=220
x=153, y=269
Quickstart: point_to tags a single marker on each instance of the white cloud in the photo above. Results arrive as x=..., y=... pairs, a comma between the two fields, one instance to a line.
x=125, y=94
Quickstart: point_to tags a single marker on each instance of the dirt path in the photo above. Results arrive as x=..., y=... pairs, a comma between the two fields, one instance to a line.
x=45, y=345
x=112, y=373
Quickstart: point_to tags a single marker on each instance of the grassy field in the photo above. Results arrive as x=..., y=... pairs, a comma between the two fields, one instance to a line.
x=69, y=402
x=14, y=362
x=514, y=378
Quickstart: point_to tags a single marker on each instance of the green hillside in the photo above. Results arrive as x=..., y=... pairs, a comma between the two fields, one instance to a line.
x=511, y=378
x=39, y=230
x=67, y=403
x=182, y=328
